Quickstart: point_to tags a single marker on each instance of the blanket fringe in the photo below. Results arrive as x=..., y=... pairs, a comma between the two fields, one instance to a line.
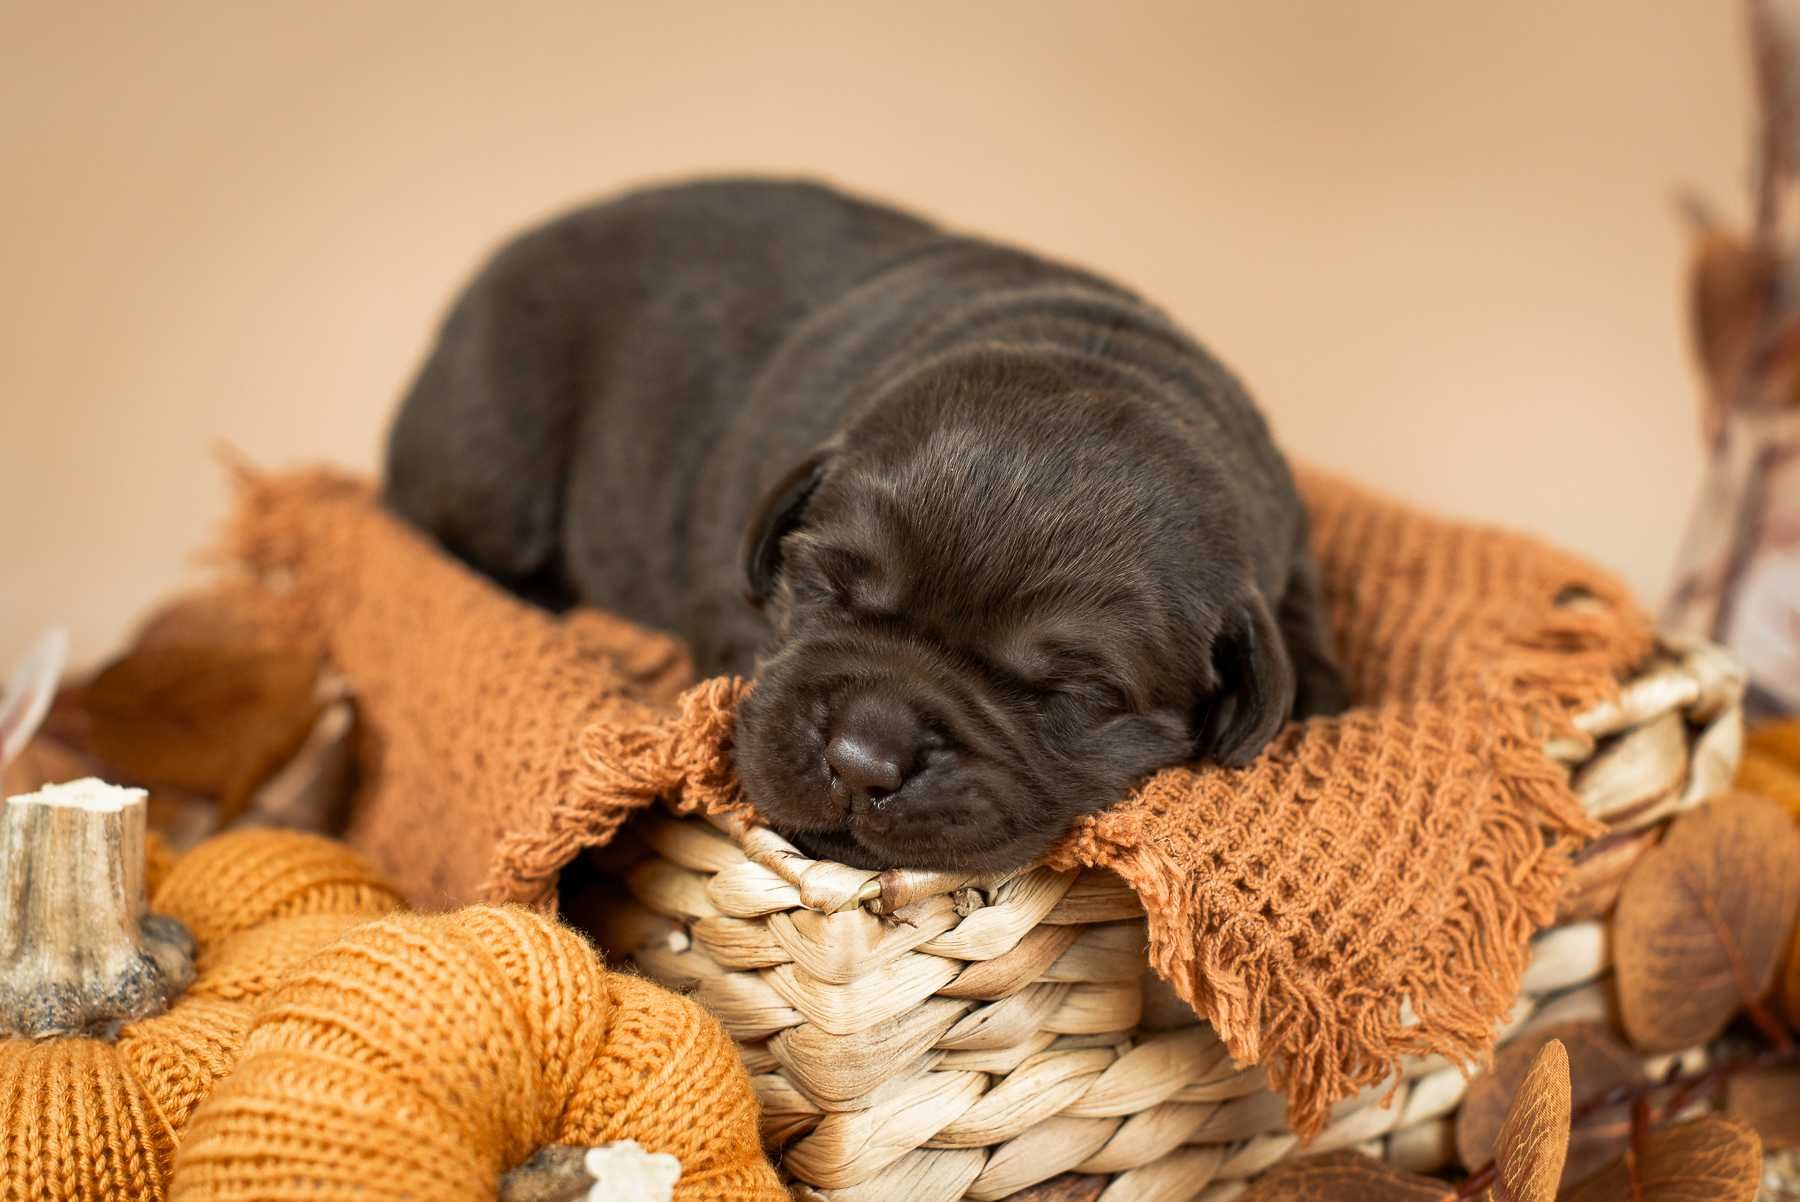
x=1320, y=1046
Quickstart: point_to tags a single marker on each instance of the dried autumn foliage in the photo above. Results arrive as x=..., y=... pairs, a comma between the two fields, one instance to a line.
x=1790, y=986
x=212, y=719
x=1771, y=763
x=1732, y=283
x=1771, y=767
x=1703, y=921
x=1344, y=1177
x=1596, y=1063
x=1739, y=563
x=230, y=612
x=1710, y=1159
x=1768, y=1100
x=1534, y=1138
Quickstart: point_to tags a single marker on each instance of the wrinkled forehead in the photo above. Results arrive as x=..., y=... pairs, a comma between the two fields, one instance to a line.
x=993, y=542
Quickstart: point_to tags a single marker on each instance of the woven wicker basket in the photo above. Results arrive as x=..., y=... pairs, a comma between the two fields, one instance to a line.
x=928, y=1037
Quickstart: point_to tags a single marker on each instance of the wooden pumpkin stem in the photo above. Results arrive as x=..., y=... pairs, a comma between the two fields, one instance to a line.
x=553, y=1174
x=80, y=953
x=621, y=1171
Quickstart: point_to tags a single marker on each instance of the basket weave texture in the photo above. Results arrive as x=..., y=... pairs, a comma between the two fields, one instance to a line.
x=922, y=1036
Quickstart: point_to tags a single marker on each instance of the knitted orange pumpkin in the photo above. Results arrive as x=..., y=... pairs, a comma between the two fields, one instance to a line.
x=116, y=1021
x=423, y=1056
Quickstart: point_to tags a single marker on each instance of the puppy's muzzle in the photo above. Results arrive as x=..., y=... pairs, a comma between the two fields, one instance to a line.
x=873, y=745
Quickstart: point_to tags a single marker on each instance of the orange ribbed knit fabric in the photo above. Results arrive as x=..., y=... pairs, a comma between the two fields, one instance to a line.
x=1404, y=851
x=86, y=1121
x=471, y=698
x=421, y=1056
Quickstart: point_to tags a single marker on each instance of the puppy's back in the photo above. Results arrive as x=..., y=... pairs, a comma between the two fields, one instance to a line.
x=568, y=379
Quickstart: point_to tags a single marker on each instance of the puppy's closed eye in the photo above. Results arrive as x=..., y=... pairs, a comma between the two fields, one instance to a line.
x=845, y=577
x=1071, y=677
x=1087, y=699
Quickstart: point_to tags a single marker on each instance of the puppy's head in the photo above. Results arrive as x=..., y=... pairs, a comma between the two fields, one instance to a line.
x=1000, y=598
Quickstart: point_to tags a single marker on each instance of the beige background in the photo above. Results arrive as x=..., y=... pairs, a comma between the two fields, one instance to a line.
x=1435, y=235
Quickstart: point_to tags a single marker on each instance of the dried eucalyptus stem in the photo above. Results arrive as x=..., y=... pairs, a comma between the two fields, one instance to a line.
x=80, y=954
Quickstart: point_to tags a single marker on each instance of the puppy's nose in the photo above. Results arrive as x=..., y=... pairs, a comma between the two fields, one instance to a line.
x=872, y=747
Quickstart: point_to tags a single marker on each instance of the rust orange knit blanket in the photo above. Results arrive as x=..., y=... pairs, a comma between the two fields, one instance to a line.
x=1404, y=852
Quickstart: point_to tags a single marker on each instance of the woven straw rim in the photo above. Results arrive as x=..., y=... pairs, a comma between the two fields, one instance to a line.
x=1689, y=682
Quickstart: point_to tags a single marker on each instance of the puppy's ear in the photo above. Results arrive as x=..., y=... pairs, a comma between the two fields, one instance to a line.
x=779, y=512
x=1254, y=691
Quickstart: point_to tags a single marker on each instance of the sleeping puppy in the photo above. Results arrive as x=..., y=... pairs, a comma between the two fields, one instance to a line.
x=995, y=537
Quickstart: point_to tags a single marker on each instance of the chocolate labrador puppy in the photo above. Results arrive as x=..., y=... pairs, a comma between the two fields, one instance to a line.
x=997, y=539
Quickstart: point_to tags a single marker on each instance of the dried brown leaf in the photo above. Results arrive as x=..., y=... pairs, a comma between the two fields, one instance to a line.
x=229, y=613
x=1534, y=1139
x=1771, y=763
x=1703, y=920
x=1779, y=384
x=201, y=718
x=1790, y=987
x=1710, y=1159
x=1768, y=1100
x=1597, y=1062
x=1749, y=351
x=46, y=760
x=1771, y=767
x=1344, y=1177
x=1728, y=292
